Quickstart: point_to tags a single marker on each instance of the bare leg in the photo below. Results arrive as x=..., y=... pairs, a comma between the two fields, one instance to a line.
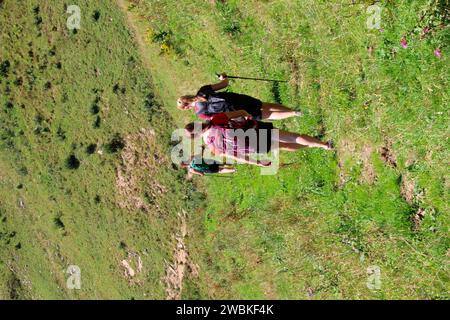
x=272, y=111
x=288, y=137
x=301, y=139
x=227, y=169
x=312, y=142
x=276, y=107
x=290, y=146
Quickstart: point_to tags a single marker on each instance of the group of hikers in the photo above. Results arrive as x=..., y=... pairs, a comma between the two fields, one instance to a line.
x=225, y=113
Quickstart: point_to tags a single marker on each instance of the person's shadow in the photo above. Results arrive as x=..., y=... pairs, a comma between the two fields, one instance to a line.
x=276, y=92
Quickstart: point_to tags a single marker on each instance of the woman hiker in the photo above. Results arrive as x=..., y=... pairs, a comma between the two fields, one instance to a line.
x=219, y=135
x=208, y=102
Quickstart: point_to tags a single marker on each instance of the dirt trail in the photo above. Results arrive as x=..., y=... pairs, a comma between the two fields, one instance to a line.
x=182, y=264
x=131, y=21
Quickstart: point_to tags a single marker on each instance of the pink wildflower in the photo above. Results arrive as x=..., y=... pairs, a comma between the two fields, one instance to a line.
x=438, y=53
x=404, y=43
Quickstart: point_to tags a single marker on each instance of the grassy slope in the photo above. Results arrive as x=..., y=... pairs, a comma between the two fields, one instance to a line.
x=52, y=216
x=296, y=235
x=312, y=230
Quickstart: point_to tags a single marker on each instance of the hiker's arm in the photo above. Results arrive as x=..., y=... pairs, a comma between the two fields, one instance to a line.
x=193, y=171
x=222, y=84
x=237, y=114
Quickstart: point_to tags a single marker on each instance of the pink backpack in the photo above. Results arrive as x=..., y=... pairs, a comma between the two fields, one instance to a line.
x=222, y=137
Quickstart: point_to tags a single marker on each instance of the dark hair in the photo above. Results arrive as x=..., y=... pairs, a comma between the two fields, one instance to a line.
x=190, y=129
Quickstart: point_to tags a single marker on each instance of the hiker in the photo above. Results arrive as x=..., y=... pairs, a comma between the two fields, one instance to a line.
x=199, y=166
x=219, y=134
x=208, y=102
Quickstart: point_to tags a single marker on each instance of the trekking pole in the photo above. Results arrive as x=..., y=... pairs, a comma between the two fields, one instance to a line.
x=249, y=78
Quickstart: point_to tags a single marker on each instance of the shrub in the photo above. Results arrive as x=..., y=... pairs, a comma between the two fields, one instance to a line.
x=72, y=162
x=117, y=143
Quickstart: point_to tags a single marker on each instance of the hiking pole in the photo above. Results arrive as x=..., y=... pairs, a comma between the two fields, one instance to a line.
x=249, y=78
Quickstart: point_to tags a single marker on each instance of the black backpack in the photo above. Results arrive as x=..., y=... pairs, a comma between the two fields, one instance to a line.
x=214, y=105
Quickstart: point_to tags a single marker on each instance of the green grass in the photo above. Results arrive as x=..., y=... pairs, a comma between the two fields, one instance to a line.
x=54, y=213
x=309, y=232
x=313, y=230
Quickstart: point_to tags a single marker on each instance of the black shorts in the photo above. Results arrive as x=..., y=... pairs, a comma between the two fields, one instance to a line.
x=251, y=105
x=213, y=168
x=243, y=102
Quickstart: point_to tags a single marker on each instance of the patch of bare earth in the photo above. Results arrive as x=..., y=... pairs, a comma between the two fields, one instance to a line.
x=413, y=198
x=181, y=265
x=349, y=150
x=407, y=188
x=387, y=155
x=368, y=173
x=135, y=176
x=132, y=267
